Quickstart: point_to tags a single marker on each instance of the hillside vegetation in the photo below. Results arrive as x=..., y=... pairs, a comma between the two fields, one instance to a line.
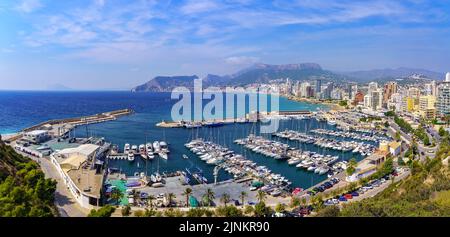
x=24, y=191
x=425, y=193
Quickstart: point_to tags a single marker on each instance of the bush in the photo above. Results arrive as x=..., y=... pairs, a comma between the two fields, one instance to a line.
x=105, y=211
x=126, y=210
x=229, y=211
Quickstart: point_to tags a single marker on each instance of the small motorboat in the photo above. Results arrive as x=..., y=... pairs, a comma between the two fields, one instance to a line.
x=185, y=157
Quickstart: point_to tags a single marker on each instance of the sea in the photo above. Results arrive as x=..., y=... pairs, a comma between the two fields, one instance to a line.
x=21, y=109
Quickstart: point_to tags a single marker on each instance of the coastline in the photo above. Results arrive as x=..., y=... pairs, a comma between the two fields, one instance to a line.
x=331, y=106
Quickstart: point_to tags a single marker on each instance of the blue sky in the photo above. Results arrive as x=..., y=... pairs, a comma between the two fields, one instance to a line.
x=117, y=44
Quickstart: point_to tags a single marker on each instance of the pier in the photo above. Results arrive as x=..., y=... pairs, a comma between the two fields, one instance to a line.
x=60, y=127
x=251, y=117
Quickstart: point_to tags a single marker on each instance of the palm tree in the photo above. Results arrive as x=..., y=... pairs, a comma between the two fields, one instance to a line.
x=116, y=195
x=261, y=196
x=151, y=198
x=170, y=198
x=208, y=197
x=225, y=199
x=187, y=192
x=243, y=195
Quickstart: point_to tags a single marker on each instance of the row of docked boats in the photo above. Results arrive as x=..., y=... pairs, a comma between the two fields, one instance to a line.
x=276, y=150
x=147, y=151
x=348, y=134
x=237, y=165
x=311, y=161
x=346, y=146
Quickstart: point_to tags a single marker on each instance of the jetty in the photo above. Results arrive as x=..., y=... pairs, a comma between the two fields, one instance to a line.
x=250, y=117
x=60, y=127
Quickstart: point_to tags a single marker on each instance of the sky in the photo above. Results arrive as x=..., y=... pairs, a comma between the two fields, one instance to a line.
x=118, y=44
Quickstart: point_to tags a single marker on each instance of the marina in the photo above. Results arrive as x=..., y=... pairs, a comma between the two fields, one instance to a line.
x=238, y=166
x=310, y=161
x=345, y=146
x=362, y=135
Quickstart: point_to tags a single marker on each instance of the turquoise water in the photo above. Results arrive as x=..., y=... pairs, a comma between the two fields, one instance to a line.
x=21, y=109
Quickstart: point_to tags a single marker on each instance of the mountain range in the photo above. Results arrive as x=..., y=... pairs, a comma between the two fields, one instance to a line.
x=265, y=73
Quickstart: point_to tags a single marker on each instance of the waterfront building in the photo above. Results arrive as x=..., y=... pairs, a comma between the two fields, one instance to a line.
x=377, y=99
x=431, y=88
x=395, y=103
x=368, y=101
x=359, y=98
x=309, y=91
x=443, y=99
x=389, y=89
x=304, y=89
x=408, y=104
x=368, y=166
x=336, y=94
x=328, y=90
x=318, y=86
x=395, y=148
x=78, y=168
x=372, y=87
x=36, y=136
x=414, y=93
x=350, y=91
x=427, y=108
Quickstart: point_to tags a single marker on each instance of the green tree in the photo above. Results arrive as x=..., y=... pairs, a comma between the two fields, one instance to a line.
x=261, y=196
x=187, y=192
x=351, y=166
x=225, y=199
x=280, y=207
x=261, y=210
x=242, y=196
x=248, y=210
x=116, y=195
x=208, y=197
x=295, y=202
x=126, y=210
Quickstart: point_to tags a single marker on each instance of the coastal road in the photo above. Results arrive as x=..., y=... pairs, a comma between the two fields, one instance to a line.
x=376, y=190
x=426, y=151
x=65, y=203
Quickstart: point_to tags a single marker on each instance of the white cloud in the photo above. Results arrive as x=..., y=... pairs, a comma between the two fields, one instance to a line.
x=198, y=6
x=241, y=60
x=28, y=6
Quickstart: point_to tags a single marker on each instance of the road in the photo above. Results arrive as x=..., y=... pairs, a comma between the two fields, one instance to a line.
x=376, y=190
x=64, y=201
x=423, y=150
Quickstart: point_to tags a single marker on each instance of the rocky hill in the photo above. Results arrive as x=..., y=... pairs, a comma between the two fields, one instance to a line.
x=258, y=73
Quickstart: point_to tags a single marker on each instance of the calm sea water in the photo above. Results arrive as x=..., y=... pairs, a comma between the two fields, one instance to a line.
x=21, y=109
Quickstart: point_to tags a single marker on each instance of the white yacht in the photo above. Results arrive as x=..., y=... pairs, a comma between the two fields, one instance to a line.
x=164, y=147
x=156, y=146
x=149, y=150
x=130, y=156
x=134, y=149
x=142, y=151
x=163, y=155
x=126, y=149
